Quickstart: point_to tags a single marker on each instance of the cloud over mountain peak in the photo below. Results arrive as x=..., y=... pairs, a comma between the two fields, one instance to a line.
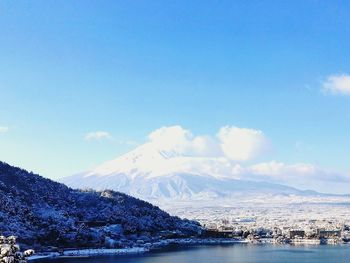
x=234, y=143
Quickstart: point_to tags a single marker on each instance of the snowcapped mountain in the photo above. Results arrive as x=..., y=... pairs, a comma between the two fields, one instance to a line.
x=159, y=175
x=150, y=162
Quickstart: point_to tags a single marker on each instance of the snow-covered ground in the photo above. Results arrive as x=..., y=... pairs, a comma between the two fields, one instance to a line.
x=91, y=252
x=105, y=251
x=136, y=250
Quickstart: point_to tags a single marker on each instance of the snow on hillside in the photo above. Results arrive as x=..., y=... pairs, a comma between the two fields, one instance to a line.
x=47, y=213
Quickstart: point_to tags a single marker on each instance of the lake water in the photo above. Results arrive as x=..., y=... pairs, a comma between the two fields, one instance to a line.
x=237, y=253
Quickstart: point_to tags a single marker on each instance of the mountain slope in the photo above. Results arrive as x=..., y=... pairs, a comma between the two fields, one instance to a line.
x=162, y=176
x=44, y=212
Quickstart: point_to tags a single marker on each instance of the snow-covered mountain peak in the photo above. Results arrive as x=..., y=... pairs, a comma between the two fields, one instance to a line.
x=149, y=161
x=166, y=174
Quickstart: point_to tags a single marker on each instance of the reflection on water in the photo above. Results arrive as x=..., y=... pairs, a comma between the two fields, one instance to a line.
x=237, y=253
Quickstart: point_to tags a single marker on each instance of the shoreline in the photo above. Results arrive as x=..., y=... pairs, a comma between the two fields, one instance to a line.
x=149, y=247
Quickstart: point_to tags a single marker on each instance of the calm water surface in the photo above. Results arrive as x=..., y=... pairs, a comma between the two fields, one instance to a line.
x=237, y=253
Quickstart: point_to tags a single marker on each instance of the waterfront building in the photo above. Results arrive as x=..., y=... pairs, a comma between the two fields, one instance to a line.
x=328, y=233
x=296, y=233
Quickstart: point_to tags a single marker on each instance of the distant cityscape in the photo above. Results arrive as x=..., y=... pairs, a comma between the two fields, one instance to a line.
x=294, y=224
x=284, y=235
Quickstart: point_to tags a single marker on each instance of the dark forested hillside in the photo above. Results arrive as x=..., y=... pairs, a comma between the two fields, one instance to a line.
x=46, y=213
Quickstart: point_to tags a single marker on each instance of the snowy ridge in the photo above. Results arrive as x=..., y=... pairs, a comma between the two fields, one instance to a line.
x=48, y=213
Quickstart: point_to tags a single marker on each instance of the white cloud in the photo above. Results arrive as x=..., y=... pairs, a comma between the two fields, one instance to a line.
x=241, y=144
x=299, y=175
x=292, y=174
x=230, y=147
x=173, y=138
x=98, y=135
x=223, y=155
x=238, y=144
x=337, y=84
x=279, y=169
x=206, y=146
x=178, y=140
x=3, y=129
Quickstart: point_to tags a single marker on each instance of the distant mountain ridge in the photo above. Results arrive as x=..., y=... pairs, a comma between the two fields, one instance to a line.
x=157, y=175
x=43, y=212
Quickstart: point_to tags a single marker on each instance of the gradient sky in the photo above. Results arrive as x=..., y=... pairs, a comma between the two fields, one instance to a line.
x=69, y=68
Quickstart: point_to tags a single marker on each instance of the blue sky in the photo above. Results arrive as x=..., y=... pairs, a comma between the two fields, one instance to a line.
x=69, y=68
